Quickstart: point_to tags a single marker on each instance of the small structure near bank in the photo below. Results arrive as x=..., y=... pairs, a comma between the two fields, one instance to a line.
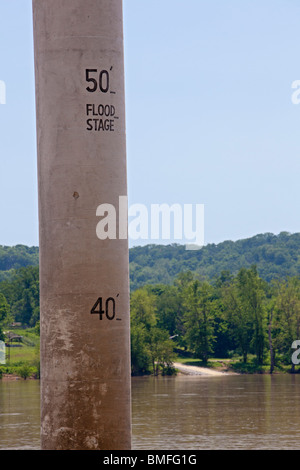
x=13, y=337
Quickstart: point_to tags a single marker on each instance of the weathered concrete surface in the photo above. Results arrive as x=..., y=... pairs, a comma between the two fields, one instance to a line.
x=85, y=361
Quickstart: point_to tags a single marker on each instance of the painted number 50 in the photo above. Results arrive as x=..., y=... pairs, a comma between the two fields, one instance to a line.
x=97, y=80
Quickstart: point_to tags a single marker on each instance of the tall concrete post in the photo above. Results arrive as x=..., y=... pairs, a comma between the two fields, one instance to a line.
x=84, y=287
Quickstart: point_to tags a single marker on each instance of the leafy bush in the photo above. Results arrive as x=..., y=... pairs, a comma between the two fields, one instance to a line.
x=25, y=371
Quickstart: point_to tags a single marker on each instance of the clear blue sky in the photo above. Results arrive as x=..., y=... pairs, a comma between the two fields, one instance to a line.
x=210, y=118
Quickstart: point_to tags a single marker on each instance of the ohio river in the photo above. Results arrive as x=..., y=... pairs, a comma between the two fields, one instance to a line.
x=180, y=413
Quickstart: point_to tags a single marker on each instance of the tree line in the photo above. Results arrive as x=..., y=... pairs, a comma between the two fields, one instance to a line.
x=16, y=257
x=276, y=256
x=20, y=298
x=231, y=315
x=240, y=315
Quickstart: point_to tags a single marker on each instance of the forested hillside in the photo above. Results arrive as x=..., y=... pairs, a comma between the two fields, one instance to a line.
x=16, y=257
x=275, y=256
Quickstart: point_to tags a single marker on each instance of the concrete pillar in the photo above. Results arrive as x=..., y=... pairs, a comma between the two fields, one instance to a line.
x=84, y=286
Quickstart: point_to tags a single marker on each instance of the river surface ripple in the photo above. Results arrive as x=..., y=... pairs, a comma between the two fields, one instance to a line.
x=180, y=413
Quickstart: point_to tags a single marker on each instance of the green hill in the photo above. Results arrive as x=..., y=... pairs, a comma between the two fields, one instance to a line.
x=276, y=256
x=16, y=257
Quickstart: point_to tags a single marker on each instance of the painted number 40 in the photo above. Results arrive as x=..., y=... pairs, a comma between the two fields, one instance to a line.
x=105, y=308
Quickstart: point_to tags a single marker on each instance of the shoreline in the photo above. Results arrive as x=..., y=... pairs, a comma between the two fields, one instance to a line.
x=181, y=368
x=14, y=377
x=195, y=370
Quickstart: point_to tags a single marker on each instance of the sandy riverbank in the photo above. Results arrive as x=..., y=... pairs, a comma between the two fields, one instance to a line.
x=194, y=370
x=182, y=369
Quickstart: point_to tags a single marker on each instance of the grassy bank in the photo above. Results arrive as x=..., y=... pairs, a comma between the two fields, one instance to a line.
x=22, y=355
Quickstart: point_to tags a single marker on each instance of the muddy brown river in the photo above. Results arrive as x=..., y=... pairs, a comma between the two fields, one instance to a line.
x=180, y=413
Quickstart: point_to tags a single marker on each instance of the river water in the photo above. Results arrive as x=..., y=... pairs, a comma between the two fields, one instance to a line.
x=180, y=413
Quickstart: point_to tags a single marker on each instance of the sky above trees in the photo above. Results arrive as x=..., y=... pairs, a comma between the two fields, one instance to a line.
x=210, y=116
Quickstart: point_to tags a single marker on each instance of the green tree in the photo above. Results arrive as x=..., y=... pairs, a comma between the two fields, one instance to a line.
x=160, y=349
x=4, y=309
x=287, y=317
x=25, y=371
x=150, y=345
x=142, y=318
x=199, y=319
x=225, y=344
x=22, y=294
x=140, y=358
x=4, y=315
x=270, y=316
x=181, y=283
x=252, y=296
x=240, y=325
x=244, y=303
x=143, y=307
x=167, y=307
